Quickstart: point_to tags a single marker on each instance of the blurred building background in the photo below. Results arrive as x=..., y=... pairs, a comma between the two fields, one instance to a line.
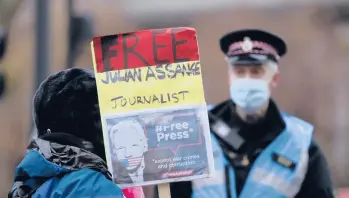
x=314, y=74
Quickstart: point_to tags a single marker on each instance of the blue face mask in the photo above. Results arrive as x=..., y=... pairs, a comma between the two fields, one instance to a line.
x=249, y=94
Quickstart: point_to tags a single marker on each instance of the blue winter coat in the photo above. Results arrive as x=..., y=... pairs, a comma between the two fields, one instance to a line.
x=52, y=170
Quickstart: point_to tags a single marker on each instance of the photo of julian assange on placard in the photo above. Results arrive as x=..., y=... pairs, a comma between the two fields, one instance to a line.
x=158, y=146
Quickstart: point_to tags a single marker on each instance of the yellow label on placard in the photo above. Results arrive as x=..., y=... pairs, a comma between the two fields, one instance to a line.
x=150, y=87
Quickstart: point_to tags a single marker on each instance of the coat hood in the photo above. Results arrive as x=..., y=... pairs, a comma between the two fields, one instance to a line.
x=45, y=160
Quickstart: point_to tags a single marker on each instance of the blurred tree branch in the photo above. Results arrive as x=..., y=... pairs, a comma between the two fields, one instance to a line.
x=8, y=9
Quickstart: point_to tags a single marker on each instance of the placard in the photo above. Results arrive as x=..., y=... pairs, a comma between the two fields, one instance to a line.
x=152, y=105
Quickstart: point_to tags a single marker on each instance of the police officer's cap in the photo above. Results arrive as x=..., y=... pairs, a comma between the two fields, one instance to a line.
x=252, y=47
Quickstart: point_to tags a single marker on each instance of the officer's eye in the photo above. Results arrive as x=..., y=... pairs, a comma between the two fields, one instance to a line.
x=257, y=71
x=239, y=71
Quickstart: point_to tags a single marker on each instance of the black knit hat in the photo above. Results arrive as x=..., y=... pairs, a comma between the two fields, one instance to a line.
x=67, y=102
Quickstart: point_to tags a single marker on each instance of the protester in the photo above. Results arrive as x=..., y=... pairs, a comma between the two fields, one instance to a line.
x=259, y=152
x=68, y=158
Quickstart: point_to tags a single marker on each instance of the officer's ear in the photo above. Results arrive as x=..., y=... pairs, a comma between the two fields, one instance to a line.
x=273, y=69
x=226, y=58
x=275, y=80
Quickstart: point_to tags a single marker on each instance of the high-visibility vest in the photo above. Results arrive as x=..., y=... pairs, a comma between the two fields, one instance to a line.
x=278, y=171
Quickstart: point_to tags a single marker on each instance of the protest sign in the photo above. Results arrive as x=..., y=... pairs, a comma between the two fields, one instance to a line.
x=152, y=105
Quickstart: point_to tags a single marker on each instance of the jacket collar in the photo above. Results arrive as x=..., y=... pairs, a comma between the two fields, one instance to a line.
x=264, y=130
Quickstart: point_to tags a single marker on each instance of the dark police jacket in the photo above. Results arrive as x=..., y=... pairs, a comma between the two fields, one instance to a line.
x=317, y=182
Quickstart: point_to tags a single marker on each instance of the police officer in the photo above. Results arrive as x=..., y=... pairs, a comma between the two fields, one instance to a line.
x=259, y=152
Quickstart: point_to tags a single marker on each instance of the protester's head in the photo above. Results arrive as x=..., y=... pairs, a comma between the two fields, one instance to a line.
x=67, y=102
x=128, y=143
x=252, y=57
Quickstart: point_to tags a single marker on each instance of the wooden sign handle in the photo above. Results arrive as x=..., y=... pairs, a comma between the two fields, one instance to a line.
x=164, y=190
